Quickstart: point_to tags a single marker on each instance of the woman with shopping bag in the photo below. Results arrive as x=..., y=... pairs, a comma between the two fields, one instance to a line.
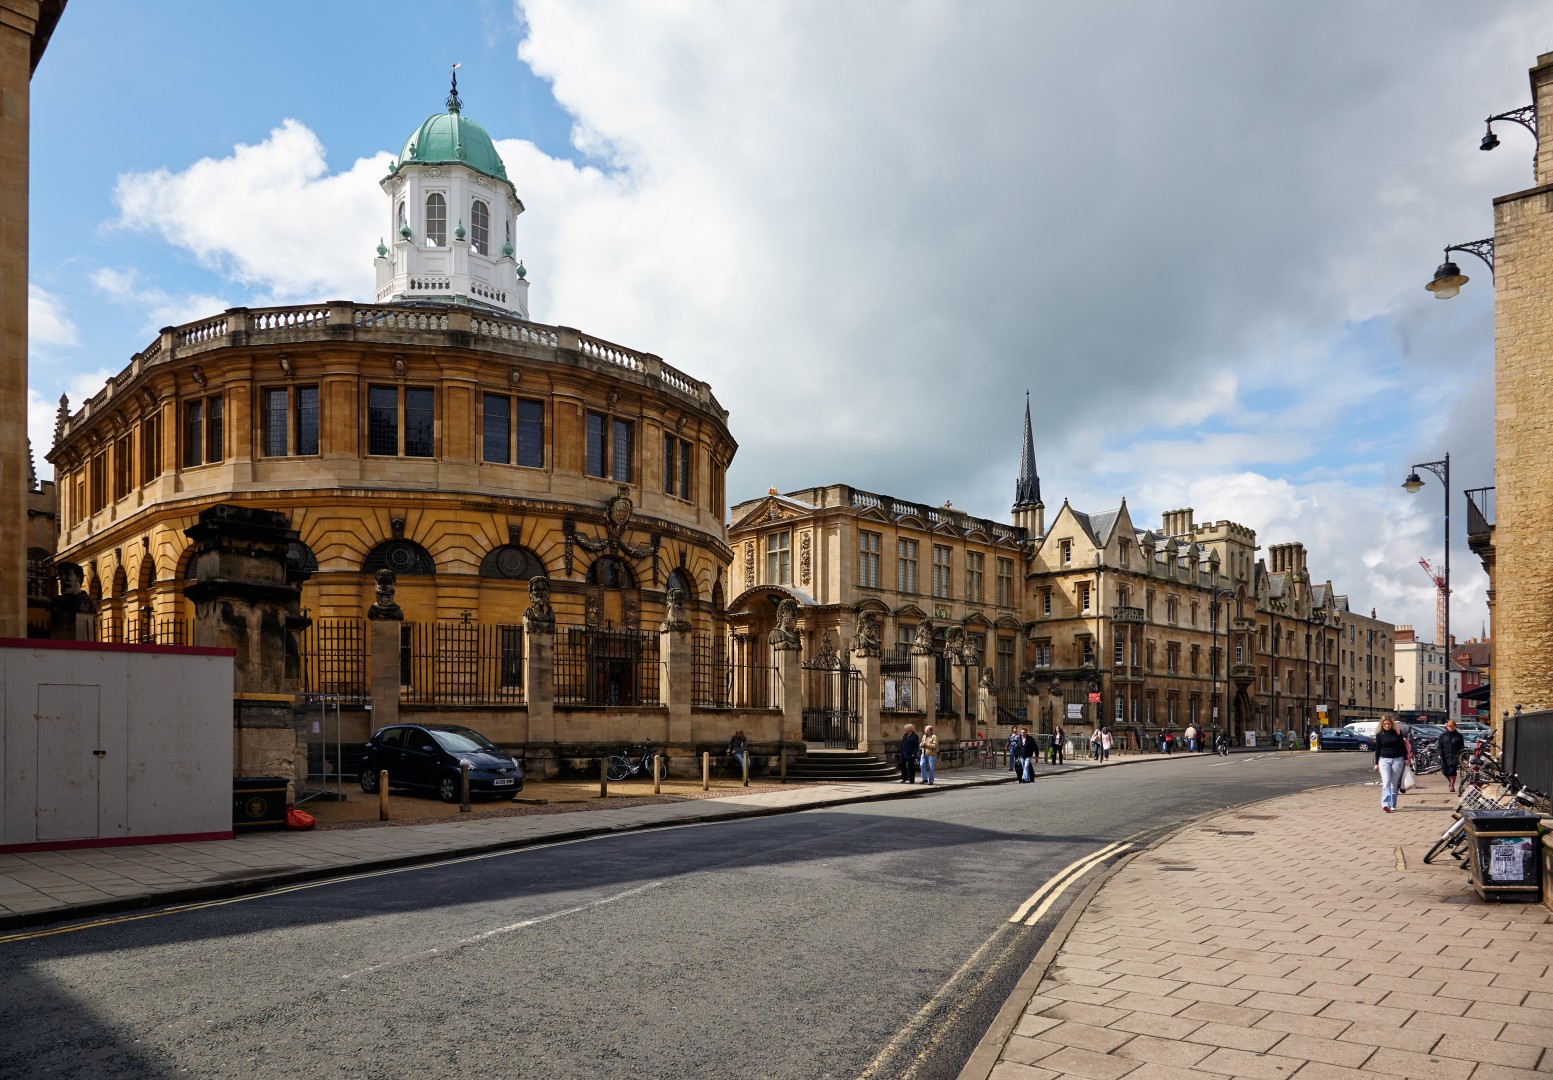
x=1392, y=756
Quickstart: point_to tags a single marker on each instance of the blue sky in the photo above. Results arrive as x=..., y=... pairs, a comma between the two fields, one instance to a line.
x=1196, y=232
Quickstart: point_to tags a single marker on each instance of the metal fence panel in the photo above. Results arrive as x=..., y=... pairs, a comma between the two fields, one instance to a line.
x=334, y=658
x=1528, y=748
x=453, y=662
x=620, y=668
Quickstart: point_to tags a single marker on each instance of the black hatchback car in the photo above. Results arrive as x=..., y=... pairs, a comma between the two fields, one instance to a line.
x=1345, y=738
x=427, y=757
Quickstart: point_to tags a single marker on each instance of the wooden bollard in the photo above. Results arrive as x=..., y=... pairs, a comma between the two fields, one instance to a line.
x=706, y=771
x=657, y=770
x=603, y=779
x=382, y=795
x=463, y=783
x=746, y=767
x=782, y=754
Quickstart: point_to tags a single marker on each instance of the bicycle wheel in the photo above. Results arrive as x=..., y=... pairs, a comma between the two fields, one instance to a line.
x=1445, y=841
x=619, y=768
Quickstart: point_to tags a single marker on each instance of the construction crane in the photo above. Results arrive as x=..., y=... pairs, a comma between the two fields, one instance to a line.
x=1441, y=599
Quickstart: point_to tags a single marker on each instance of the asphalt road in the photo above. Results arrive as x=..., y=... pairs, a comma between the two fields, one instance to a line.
x=870, y=940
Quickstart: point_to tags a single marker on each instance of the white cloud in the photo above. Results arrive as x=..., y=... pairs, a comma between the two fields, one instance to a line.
x=41, y=413
x=158, y=308
x=270, y=215
x=47, y=324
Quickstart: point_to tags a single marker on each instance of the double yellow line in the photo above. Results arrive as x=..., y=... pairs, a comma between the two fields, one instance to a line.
x=1047, y=894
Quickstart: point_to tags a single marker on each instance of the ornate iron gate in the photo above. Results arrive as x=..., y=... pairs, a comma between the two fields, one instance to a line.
x=832, y=692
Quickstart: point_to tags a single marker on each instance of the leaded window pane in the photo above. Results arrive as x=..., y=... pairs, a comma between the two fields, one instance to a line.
x=620, y=452
x=596, y=445
x=214, y=446
x=531, y=434
x=382, y=420
x=193, y=434
x=307, y=420
x=272, y=439
x=420, y=422
x=496, y=439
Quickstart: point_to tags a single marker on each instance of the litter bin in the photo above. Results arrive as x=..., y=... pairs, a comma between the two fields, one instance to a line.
x=258, y=802
x=1547, y=870
x=1505, y=861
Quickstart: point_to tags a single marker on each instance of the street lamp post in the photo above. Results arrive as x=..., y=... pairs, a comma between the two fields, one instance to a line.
x=1442, y=470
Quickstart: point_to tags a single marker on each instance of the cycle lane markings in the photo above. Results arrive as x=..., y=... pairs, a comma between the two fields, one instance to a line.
x=1046, y=894
x=522, y=924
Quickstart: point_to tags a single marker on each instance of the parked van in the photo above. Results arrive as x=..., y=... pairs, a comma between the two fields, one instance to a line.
x=1367, y=728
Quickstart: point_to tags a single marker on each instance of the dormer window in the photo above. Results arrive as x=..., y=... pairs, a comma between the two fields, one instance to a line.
x=436, y=220
x=480, y=227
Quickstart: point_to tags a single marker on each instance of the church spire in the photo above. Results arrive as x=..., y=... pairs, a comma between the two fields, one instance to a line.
x=1027, y=492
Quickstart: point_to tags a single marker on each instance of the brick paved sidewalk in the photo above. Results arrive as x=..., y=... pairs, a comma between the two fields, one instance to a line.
x=1284, y=940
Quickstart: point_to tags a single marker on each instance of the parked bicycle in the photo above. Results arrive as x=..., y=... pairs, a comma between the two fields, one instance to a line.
x=1510, y=793
x=638, y=759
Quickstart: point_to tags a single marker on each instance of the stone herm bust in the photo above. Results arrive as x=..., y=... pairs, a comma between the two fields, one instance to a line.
x=539, y=615
x=384, y=607
x=674, y=615
x=785, y=637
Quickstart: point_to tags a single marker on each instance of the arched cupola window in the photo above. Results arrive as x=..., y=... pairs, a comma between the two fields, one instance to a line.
x=404, y=219
x=513, y=563
x=480, y=227
x=611, y=573
x=400, y=556
x=436, y=220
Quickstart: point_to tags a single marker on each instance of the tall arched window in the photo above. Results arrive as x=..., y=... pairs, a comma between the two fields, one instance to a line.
x=679, y=579
x=436, y=220
x=480, y=227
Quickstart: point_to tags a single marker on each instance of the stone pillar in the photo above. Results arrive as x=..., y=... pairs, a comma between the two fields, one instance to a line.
x=675, y=644
x=789, y=675
x=539, y=680
x=871, y=737
x=383, y=670
x=246, y=599
x=925, y=672
x=17, y=29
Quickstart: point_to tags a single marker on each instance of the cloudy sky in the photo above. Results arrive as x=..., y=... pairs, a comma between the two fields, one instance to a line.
x=1196, y=232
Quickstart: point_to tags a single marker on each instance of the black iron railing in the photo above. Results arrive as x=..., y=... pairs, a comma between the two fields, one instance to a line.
x=618, y=668
x=333, y=655
x=454, y=662
x=711, y=676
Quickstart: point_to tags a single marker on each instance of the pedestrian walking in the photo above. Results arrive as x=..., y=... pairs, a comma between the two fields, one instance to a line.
x=1055, y=754
x=1170, y=743
x=1278, y=740
x=1191, y=738
x=1013, y=751
x=1450, y=744
x=1391, y=757
x=911, y=746
x=929, y=755
x=1094, y=745
x=1105, y=744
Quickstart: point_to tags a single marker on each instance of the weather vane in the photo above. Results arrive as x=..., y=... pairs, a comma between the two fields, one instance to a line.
x=453, y=103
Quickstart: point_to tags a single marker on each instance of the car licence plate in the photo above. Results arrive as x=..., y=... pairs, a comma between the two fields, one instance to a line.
x=503, y=783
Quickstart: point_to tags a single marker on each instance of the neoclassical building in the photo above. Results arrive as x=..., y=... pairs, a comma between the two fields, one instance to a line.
x=1090, y=618
x=434, y=431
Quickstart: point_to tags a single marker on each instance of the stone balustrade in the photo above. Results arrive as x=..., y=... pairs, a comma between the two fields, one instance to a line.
x=346, y=321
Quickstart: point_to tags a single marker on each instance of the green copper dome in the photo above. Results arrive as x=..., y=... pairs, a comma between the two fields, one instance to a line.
x=449, y=137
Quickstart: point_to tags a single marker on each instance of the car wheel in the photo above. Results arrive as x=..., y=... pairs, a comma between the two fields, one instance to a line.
x=1364, y=746
x=368, y=778
x=447, y=788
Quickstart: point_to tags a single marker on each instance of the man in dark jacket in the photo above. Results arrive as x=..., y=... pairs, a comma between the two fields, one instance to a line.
x=911, y=746
x=1450, y=744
